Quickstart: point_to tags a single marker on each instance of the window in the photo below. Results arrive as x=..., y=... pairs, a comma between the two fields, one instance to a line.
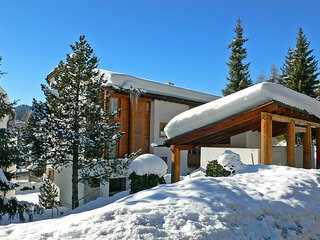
x=95, y=182
x=161, y=132
x=113, y=150
x=114, y=106
x=193, y=158
x=51, y=174
x=148, y=106
x=147, y=144
x=116, y=185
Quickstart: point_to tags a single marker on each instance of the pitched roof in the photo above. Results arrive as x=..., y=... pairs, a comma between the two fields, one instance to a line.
x=239, y=102
x=144, y=86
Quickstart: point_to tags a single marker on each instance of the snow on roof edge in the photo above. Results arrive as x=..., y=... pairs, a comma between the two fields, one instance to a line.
x=238, y=102
x=121, y=80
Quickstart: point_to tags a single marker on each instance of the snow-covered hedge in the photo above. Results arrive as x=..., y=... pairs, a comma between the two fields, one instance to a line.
x=227, y=164
x=146, y=171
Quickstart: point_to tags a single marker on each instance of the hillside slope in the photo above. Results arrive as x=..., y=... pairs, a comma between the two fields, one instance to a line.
x=262, y=202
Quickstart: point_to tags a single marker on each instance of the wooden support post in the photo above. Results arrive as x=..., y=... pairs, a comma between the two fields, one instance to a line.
x=307, y=148
x=175, y=171
x=318, y=147
x=291, y=144
x=266, y=140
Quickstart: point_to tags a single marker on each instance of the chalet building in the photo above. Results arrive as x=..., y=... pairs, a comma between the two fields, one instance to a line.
x=145, y=109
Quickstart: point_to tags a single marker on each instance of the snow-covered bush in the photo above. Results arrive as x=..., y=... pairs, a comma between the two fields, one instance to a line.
x=231, y=161
x=214, y=169
x=228, y=163
x=146, y=171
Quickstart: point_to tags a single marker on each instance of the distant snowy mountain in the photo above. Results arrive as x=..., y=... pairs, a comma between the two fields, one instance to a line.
x=22, y=112
x=259, y=202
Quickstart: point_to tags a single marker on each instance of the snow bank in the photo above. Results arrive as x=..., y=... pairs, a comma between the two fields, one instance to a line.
x=148, y=164
x=238, y=102
x=264, y=202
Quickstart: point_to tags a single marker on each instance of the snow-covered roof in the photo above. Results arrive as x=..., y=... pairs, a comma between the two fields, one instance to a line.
x=239, y=102
x=145, y=86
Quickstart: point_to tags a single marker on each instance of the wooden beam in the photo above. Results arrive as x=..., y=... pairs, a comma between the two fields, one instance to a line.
x=307, y=148
x=175, y=171
x=291, y=144
x=238, y=119
x=318, y=148
x=266, y=140
x=285, y=119
x=300, y=129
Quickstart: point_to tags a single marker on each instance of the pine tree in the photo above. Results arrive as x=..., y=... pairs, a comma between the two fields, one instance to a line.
x=239, y=76
x=48, y=194
x=10, y=154
x=76, y=127
x=35, y=134
x=274, y=74
x=300, y=71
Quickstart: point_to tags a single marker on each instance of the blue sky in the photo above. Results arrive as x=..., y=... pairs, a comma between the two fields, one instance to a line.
x=184, y=42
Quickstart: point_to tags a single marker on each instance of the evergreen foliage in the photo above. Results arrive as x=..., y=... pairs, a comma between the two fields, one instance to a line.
x=71, y=128
x=214, y=169
x=146, y=181
x=239, y=76
x=300, y=71
x=48, y=194
x=10, y=154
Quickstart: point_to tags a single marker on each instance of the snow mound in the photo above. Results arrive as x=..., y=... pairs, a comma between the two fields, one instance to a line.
x=263, y=202
x=239, y=102
x=148, y=164
x=231, y=161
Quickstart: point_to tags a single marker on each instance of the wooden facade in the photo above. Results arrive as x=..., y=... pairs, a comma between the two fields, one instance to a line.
x=134, y=118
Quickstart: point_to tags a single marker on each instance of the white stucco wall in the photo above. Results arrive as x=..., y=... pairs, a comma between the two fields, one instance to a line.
x=4, y=121
x=279, y=153
x=63, y=180
x=246, y=140
x=212, y=153
x=163, y=112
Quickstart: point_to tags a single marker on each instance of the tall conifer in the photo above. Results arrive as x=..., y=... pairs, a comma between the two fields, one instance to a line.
x=76, y=128
x=300, y=71
x=239, y=76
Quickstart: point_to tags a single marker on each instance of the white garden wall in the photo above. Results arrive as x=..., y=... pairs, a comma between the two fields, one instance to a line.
x=279, y=155
x=247, y=156
x=163, y=112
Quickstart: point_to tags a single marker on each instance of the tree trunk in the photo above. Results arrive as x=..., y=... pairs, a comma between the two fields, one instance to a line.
x=75, y=177
x=75, y=157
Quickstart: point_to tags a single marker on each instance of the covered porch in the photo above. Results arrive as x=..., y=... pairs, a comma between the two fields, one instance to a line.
x=271, y=119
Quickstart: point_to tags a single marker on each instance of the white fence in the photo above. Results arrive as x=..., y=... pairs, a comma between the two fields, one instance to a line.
x=252, y=155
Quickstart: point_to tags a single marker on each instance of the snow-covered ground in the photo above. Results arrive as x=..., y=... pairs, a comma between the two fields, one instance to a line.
x=258, y=202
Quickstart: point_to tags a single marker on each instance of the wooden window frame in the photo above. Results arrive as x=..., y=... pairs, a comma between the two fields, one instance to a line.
x=160, y=126
x=51, y=174
x=118, y=115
